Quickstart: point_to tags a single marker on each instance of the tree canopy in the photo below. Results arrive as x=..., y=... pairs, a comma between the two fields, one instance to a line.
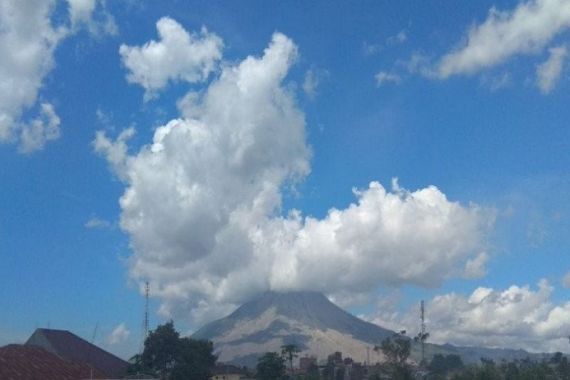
x=270, y=366
x=169, y=356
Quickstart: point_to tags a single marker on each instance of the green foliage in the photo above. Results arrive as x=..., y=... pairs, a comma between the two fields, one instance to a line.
x=270, y=366
x=290, y=351
x=397, y=350
x=555, y=369
x=442, y=365
x=194, y=360
x=160, y=349
x=168, y=356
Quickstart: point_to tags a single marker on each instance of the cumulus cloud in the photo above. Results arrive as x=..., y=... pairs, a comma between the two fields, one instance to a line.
x=28, y=40
x=176, y=56
x=27, y=43
x=548, y=73
x=527, y=29
x=44, y=128
x=93, y=15
x=203, y=205
x=516, y=317
x=118, y=335
x=116, y=151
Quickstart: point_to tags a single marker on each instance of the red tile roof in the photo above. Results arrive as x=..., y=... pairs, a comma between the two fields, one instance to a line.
x=20, y=362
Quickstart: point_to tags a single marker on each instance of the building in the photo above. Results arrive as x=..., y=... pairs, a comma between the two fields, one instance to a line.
x=72, y=348
x=228, y=372
x=21, y=362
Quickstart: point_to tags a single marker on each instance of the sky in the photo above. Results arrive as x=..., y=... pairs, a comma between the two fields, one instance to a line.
x=380, y=152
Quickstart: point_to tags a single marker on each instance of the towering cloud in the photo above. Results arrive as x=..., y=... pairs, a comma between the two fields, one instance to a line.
x=203, y=204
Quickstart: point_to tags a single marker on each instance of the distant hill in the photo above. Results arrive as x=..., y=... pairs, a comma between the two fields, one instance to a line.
x=317, y=326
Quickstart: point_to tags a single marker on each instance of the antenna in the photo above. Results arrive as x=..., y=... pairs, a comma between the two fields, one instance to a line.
x=423, y=326
x=423, y=334
x=145, y=317
x=146, y=293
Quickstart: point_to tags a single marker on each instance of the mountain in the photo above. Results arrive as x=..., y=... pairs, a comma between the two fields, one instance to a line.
x=318, y=327
x=306, y=319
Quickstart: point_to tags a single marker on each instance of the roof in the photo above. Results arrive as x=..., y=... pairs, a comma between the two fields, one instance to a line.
x=225, y=369
x=73, y=348
x=20, y=362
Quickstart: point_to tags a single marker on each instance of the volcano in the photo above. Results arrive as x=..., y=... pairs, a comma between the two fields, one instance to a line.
x=307, y=319
x=318, y=328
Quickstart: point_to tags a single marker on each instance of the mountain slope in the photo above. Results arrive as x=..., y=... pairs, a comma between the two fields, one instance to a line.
x=319, y=328
x=307, y=319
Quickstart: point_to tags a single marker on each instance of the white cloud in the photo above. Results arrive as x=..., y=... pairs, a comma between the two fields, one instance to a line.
x=80, y=11
x=527, y=29
x=475, y=268
x=115, y=152
x=312, y=81
x=177, y=56
x=384, y=77
x=517, y=317
x=27, y=43
x=118, y=335
x=28, y=40
x=44, y=128
x=97, y=223
x=93, y=15
x=202, y=205
x=548, y=73
x=566, y=280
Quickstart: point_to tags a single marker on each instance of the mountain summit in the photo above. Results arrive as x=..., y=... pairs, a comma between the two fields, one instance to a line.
x=306, y=319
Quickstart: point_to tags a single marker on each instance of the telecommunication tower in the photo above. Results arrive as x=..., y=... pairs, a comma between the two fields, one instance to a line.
x=144, y=334
x=145, y=323
x=423, y=334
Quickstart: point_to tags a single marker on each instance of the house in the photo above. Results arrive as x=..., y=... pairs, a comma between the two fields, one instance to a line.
x=228, y=372
x=72, y=348
x=21, y=362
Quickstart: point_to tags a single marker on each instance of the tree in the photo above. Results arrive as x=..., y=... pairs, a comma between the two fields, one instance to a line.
x=170, y=357
x=160, y=349
x=290, y=351
x=396, y=350
x=270, y=366
x=194, y=360
x=442, y=365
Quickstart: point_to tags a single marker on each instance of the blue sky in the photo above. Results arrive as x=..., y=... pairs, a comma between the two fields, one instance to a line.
x=471, y=99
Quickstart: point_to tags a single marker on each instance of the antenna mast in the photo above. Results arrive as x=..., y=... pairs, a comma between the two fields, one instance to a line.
x=145, y=323
x=145, y=317
x=423, y=334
